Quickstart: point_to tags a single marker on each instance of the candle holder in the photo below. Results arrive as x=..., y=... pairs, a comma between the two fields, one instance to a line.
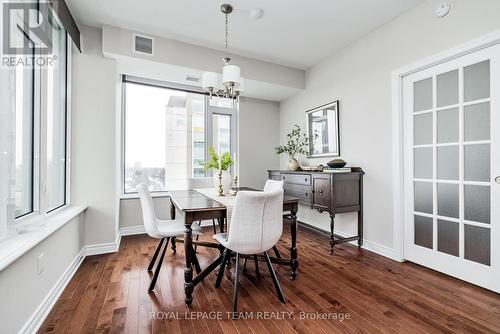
x=220, y=190
x=234, y=189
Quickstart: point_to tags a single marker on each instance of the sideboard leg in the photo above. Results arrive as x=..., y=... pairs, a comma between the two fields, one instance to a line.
x=332, y=223
x=360, y=212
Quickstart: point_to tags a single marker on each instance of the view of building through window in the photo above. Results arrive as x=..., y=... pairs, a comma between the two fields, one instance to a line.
x=166, y=136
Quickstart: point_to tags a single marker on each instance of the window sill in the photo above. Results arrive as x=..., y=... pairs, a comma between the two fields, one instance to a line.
x=158, y=194
x=23, y=236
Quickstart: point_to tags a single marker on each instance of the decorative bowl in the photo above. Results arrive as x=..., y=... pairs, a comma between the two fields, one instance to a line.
x=336, y=163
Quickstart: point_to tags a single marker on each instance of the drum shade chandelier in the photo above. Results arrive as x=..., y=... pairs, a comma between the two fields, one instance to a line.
x=231, y=85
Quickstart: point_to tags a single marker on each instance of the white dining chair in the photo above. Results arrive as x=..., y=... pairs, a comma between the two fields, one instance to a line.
x=273, y=185
x=256, y=226
x=161, y=229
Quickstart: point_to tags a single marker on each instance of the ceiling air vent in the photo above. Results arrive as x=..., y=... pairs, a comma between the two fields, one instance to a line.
x=192, y=79
x=143, y=44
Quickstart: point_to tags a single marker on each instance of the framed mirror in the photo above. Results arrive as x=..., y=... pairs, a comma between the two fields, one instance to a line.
x=323, y=130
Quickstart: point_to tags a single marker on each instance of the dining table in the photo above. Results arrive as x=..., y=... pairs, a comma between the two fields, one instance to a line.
x=199, y=205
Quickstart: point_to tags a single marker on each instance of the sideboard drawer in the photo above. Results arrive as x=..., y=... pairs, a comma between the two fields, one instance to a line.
x=301, y=179
x=303, y=193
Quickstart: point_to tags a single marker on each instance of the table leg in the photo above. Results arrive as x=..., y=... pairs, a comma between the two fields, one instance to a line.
x=188, y=270
x=294, y=263
x=172, y=210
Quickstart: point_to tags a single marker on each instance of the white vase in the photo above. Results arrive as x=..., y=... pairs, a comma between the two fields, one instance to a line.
x=227, y=180
x=293, y=164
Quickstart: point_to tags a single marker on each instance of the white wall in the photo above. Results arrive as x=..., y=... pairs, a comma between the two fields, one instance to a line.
x=22, y=289
x=360, y=77
x=258, y=135
x=93, y=149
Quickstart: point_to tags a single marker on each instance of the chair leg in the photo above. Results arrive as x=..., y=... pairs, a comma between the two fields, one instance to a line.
x=195, y=261
x=256, y=265
x=277, y=285
x=158, y=267
x=235, y=292
x=213, y=224
x=244, y=266
x=155, y=255
x=174, y=248
x=222, y=268
x=276, y=252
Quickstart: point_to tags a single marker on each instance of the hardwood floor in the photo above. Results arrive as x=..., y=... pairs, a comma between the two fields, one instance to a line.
x=354, y=290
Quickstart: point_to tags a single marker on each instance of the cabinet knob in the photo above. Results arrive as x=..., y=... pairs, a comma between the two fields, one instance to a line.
x=305, y=179
x=283, y=177
x=307, y=194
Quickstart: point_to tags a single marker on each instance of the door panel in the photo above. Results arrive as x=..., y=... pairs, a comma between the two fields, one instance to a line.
x=451, y=140
x=321, y=192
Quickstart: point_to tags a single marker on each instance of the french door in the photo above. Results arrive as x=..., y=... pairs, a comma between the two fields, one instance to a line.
x=452, y=167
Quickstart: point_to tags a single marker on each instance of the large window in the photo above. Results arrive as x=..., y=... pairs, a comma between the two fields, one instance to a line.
x=167, y=133
x=39, y=127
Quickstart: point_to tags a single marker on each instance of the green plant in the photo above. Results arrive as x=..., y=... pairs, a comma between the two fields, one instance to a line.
x=213, y=161
x=297, y=143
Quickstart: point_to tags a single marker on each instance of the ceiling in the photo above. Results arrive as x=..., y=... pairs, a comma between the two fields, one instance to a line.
x=295, y=33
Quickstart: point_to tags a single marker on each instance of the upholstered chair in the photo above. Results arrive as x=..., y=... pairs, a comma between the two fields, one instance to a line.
x=256, y=226
x=161, y=229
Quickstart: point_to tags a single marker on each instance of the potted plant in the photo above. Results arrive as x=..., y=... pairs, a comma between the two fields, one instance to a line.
x=218, y=163
x=297, y=143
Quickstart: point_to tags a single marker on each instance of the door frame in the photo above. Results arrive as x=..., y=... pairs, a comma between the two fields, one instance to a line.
x=397, y=126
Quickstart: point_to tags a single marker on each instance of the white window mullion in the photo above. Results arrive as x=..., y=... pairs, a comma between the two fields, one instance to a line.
x=42, y=142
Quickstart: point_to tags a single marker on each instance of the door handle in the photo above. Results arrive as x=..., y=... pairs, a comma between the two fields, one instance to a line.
x=497, y=179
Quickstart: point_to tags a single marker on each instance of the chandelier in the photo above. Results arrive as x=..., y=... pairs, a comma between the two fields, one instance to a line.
x=231, y=84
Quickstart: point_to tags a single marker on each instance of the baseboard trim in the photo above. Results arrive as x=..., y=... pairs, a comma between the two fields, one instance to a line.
x=367, y=244
x=38, y=317
x=133, y=230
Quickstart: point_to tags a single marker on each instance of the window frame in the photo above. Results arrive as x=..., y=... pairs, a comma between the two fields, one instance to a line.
x=39, y=138
x=209, y=112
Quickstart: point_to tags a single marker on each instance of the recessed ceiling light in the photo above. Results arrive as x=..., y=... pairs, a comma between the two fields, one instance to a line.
x=443, y=10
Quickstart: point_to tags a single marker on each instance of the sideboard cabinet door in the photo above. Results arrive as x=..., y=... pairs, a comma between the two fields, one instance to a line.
x=321, y=189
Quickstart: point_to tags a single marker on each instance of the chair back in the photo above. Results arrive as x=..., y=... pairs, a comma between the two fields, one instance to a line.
x=256, y=221
x=200, y=183
x=148, y=211
x=273, y=185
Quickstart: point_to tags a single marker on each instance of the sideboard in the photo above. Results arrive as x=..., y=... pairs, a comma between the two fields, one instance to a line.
x=327, y=192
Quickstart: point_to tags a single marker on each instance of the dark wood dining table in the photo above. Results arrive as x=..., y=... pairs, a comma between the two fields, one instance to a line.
x=197, y=207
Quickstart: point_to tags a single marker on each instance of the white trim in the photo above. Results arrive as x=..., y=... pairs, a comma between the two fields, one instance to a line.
x=132, y=230
x=42, y=311
x=104, y=248
x=397, y=123
x=367, y=244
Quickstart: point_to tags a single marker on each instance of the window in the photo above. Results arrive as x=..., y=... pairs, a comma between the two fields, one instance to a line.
x=39, y=127
x=167, y=132
x=56, y=120
x=23, y=133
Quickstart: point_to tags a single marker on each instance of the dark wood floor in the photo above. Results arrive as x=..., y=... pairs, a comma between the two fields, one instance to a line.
x=108, y=294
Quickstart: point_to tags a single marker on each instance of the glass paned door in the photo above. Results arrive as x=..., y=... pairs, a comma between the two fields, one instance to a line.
x=451, y=167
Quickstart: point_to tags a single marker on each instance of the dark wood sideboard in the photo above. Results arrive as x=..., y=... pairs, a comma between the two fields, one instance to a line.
x=327, y=192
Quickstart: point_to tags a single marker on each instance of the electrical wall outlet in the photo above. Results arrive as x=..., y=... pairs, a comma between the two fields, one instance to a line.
x=41, y=263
